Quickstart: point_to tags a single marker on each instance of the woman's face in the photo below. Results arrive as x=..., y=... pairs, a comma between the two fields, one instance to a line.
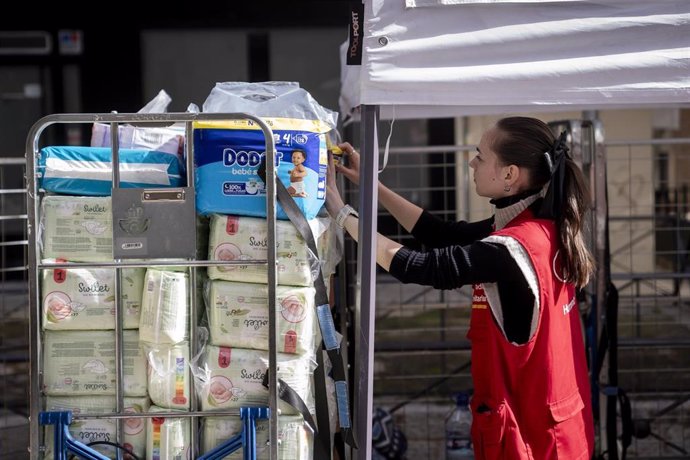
x=489, y=173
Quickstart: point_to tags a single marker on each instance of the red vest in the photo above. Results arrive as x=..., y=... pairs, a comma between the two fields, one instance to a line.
x=532, y=401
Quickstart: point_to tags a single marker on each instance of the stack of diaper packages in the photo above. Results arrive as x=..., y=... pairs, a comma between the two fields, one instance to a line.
x=78, y=305
x=232, y=367
x=78, y=322
x=227, y=157
x=164, y=334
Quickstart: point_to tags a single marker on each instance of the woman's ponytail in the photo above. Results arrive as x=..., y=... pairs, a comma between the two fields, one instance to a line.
x=578, y=264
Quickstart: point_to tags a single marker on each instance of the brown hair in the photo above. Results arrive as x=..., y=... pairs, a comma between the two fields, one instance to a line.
x=523, y=142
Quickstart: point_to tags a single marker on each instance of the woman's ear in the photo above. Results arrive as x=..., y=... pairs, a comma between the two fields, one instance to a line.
x=511, y=175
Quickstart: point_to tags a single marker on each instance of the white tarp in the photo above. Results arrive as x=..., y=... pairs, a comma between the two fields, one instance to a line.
x=462, y=59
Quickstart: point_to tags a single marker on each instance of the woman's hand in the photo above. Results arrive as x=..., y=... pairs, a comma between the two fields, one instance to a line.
x=334, y=201
x=351, y=171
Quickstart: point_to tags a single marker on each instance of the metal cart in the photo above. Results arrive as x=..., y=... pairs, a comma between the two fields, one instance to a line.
x=181, y=203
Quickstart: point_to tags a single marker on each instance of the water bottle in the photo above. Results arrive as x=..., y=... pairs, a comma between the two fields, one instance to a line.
x=458, y=423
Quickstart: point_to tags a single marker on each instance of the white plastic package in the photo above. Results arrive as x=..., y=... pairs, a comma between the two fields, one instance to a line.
x=170, y=140
x=168, y=375
x=164, y=307
x=295, y=438
x=238, y=316
x=76, y=229
x=83, y=299
x=167, y=438
x=83, y=363
x=236, y=238
x=229, y=378
x=284, y=99
x=133, y=137
x=88, y=171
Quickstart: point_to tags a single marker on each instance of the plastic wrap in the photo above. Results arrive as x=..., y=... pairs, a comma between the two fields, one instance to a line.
x=283, y=99
x=164, y=307
x=294, y=436
x=167, y=438
x=83, y=363
x=170, y=140
x=83, y=299
x=74, y=170
x=331, y=246
x=229, y=378
x=238, y=316
x=76, y=229
x=168, y=375
x=246, y=238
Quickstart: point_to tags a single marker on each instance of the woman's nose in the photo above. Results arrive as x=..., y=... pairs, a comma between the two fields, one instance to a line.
x=472, y=163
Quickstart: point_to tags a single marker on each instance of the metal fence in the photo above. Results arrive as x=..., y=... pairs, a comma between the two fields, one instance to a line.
x=14, y=311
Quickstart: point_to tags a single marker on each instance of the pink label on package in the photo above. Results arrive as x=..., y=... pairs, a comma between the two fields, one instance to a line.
x=224, y=357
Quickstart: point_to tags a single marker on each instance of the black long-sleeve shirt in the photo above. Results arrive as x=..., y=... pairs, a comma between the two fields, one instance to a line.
x=456, y=256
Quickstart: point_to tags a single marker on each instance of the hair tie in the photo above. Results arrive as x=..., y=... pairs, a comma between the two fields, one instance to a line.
x=553, y=199
x=549, y=163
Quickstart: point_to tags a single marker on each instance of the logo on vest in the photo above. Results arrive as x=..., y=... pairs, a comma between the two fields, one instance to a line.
x=569, y=306
x=479, y=300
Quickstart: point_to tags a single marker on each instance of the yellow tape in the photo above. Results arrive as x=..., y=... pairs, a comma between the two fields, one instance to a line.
x=293, y=124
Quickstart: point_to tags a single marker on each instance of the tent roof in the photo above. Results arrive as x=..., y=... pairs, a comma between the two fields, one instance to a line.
x=497, y=57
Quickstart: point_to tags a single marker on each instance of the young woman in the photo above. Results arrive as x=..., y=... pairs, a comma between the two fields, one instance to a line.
x=531, y=389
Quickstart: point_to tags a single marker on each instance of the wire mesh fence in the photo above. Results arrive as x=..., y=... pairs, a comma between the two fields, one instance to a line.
x=14, y=311
x=649, y=229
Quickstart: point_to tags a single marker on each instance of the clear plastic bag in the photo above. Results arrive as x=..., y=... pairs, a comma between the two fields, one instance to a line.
x=268, y=99
x=169, y=140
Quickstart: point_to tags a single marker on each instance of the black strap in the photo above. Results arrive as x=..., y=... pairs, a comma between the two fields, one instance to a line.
x=626, y=422
x=290, y=396
x=322, y=448
x=328, y=333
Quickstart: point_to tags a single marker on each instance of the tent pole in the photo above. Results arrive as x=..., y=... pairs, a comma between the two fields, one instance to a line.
x=366, y=279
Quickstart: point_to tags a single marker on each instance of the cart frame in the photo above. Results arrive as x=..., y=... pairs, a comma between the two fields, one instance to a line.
x=35, y=267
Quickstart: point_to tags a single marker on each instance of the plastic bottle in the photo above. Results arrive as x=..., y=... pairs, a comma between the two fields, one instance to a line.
x=458, y=423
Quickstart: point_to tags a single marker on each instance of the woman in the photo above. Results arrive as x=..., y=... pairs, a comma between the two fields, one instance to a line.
x=531, y=390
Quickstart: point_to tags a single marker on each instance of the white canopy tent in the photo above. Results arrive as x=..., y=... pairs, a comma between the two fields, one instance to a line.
x=495, y=56
x=445, y=58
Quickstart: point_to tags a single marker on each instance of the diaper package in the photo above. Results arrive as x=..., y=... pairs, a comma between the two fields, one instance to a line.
x=167, y=438
x=83, y=363
x=229, y=378
x=76, y=170
x=77, y=229
x=82, y=299
x=92, y=430
x=168, y=140
x=238, y=316
x=168, y=375
x=165, y=307
x=246, y=238
x=295, y=438
x=227, y=155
